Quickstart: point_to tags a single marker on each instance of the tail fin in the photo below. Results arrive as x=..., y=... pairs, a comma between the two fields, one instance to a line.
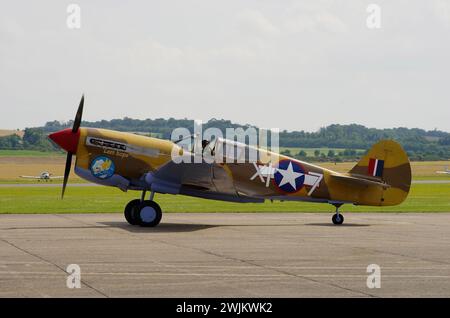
x=388, y=162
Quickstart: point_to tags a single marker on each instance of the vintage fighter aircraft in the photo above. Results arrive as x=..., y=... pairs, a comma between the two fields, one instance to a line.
x=132, y=162
x=446, y=171
x=44, y=176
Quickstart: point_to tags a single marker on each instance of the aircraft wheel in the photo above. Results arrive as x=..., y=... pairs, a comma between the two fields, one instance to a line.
x=148, y=213
x=129, y=215
x=337, y=219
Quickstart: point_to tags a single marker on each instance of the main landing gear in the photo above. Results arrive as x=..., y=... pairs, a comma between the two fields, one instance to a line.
x=337, y=218
x=143, y=212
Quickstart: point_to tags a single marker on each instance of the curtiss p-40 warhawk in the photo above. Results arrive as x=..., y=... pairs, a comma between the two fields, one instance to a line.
x=133, y=162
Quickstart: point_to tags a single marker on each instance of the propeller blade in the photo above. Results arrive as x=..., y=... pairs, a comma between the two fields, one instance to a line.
x=75, y=127
x=77, y=121
x=66, y=172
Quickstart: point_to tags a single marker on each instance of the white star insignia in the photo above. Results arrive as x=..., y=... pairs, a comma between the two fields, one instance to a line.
x=289, y=176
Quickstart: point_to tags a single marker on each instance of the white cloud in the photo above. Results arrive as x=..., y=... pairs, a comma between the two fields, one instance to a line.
x=255, y=21
x=442, y=10
x=323, y=21
x=330, y=22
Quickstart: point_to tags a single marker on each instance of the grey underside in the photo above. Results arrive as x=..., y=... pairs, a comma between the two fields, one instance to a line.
x=208, y=181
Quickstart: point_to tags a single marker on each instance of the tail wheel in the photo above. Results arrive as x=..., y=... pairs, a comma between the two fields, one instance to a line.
x=129, y=215
x=338, y=219
x=148, y=213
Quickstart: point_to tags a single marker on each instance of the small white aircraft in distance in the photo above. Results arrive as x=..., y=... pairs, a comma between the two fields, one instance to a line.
x=45, y=175
x=446, y=171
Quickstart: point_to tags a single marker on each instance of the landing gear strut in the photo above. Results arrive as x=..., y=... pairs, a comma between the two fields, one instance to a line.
x=143, y=212
x=337, y=218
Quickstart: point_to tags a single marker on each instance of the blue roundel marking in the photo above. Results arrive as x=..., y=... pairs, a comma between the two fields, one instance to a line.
x=289, y=176
x=102, y=167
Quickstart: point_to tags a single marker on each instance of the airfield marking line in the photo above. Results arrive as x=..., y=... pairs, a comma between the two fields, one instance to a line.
x=17, y=275
x=301, y=276
x=307, y=278
x=221, y=274
x=183, y=272
x=120, y=231
x=393, y=253
x=51, y=263
x=107, y=228
x=278, y=267
x=52, y=228
x=403, y=235
x=286, y=273
x=402, y=255
x=234, y=259
x=178, y=266
x=18, y=262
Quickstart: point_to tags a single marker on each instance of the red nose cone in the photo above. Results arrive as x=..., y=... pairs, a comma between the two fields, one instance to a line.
x=66, y=139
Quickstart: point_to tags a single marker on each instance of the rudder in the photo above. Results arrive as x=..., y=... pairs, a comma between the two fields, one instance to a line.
x=388, y=162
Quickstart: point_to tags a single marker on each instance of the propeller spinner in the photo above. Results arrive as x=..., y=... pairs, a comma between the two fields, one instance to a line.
x=68, y=140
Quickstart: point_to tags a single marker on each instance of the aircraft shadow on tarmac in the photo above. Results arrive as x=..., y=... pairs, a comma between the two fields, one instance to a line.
x=161, y=228
x=337, y=226
x=173, y=227
x=188, y=227
x=164, y=227
x=179, y=227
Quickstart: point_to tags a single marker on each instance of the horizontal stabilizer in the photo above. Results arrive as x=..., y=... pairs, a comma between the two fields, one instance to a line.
x=360, y=181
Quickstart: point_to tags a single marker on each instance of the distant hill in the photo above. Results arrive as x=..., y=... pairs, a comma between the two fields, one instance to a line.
x=353, y=139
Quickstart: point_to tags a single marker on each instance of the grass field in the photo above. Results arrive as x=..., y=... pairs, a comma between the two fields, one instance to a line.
x=9, y=132
x=422, y=198
x=11, y=167
x=29, y=153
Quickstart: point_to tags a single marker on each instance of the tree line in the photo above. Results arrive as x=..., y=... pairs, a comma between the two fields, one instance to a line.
x=353, y=139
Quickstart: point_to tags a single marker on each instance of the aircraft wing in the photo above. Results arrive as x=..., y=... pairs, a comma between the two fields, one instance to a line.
x=198, y=174
x=360, y=181
x=56, y=177
x=203, y=180
x=31, y=177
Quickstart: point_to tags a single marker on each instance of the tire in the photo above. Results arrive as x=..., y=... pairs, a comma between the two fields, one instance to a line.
x=128, y=212
x=148, y=213
x=337, y=219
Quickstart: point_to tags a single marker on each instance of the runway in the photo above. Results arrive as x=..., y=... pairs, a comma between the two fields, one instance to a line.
x=431, y=181
x=226, y=255
x=45, y=184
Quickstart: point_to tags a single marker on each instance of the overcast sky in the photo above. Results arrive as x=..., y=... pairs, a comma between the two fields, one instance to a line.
x=296, y=65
